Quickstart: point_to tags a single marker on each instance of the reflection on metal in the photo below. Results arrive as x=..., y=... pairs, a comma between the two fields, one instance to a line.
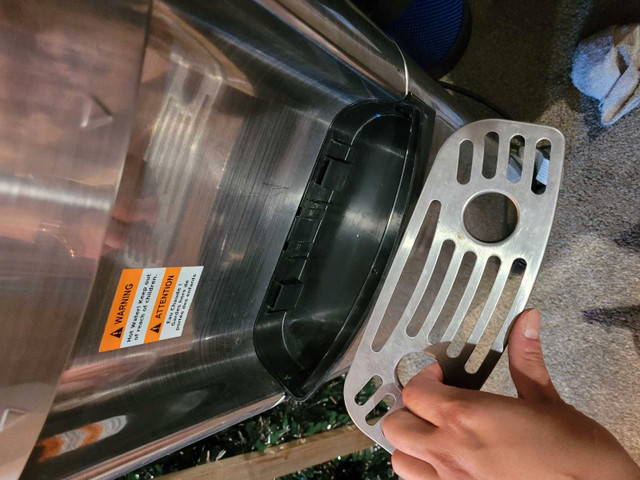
x=173, y=148
x=95, y=114
x=68, y=77
x=418, y=327
x=79, y=437
x=234, y=101
x=9, y=416
x=162, y=446
x=353, y=39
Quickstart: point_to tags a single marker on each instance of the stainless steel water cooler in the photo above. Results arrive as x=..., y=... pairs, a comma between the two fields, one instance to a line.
x=245, y=166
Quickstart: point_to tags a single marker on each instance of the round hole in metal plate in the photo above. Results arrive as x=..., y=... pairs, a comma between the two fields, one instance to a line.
x=412, y=364
x=490, y=217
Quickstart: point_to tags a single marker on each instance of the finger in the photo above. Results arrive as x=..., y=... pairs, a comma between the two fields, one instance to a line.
x=434, y=371
x=411, y=468
x=526, y=362
x=427, y=397
x=141, y=209
x=419, y=439
x=116, y=235
x=408, y=433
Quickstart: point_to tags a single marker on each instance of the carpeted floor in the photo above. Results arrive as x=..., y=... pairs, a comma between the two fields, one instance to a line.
x=519, y=57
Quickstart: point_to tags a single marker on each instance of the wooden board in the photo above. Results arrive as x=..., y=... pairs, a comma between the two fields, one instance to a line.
x=282, y=459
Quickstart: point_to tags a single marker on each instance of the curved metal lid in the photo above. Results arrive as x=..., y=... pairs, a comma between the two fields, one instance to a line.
x=68, y=77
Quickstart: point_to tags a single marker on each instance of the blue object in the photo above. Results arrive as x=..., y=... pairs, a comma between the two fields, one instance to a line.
x=430, y=32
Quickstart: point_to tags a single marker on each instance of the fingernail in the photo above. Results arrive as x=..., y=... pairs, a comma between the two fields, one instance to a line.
x=532, y=325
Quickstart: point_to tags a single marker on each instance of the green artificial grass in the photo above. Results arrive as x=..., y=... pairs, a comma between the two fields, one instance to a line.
x=288, y=421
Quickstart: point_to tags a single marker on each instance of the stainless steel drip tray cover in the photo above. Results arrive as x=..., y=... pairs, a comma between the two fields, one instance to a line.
x=453, y=291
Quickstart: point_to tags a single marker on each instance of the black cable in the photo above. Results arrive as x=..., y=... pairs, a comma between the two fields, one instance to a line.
x=477, y=98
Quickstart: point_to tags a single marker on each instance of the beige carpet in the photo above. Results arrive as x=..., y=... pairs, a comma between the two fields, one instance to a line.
x=519, y=57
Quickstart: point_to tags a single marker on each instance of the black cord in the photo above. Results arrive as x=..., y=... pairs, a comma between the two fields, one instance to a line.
x=477, y=98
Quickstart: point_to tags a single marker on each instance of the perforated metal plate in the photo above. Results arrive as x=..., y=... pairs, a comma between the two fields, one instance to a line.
x=432, y=305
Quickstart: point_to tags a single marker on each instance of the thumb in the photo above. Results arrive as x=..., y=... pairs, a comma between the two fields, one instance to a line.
x=431, y=373
x=526, y=362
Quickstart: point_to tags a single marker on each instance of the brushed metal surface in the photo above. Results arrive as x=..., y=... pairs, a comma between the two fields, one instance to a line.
x=352, y=38
x=524, y=247
x=234, y=103
x=68, y=76
x=235, y=98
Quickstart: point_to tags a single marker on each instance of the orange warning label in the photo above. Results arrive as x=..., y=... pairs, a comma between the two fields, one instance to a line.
x=120, y=309
x=150, y=304
x=162, y=304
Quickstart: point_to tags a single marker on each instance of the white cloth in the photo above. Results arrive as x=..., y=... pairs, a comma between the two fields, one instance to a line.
x=606, y=66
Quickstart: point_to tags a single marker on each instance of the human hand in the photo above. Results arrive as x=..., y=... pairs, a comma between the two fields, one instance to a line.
x=449, y=433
